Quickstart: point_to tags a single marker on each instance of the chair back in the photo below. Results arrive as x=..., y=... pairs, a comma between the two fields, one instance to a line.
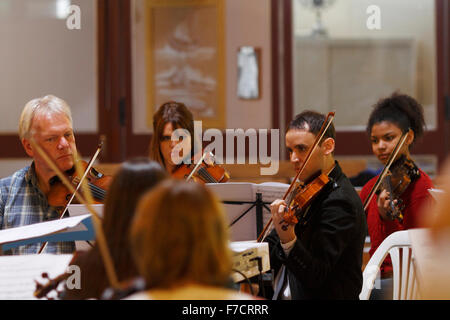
x=405, y=285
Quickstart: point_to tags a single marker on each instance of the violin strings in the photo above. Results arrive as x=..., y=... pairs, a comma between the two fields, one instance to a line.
x=97, y=192
x=205, y=174
x=201, y=173
x=208, y=176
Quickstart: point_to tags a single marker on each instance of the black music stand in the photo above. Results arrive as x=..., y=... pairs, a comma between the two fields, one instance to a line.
x=259, y=204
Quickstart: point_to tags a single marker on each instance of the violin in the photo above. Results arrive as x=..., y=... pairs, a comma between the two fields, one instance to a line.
x=98, y=183
x=54, y=289
x=402, y=173
x=300, y=195
x=395, y=181
x=202, y=171
x=44, y=290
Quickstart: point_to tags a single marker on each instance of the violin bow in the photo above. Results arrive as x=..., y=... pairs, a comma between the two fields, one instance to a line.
x=196, y=166
x=80, y=183
x=386, y=168
x=104, y=251
x=326, y=124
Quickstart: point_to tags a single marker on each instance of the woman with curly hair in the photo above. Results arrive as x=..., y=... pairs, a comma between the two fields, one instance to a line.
x=391, y=118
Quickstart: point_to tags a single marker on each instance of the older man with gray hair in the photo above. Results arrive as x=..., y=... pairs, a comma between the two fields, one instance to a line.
x=23, y=195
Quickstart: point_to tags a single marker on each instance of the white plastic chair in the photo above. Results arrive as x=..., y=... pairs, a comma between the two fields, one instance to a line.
x=405, y=286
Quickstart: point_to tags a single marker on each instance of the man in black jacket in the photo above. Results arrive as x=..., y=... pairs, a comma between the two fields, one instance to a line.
x=320, y=257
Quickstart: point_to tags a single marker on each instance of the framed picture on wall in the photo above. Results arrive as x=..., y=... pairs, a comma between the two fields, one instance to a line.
x=185, y=55
x=248, y=62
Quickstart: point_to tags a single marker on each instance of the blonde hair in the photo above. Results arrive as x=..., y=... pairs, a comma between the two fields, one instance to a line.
x=48, y=104
x=179, y=235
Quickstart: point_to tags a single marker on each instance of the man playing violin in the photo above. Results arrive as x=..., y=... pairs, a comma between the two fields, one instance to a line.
x=319, y=257
x=23, y=195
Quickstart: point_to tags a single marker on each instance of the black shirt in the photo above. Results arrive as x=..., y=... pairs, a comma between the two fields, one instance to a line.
x=325, y=262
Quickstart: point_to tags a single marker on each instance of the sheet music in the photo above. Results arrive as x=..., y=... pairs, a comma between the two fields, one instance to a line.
x=18, y=273
x=270, y=190
x=233, y=191
x=245, y=191
x=41, y=229
x=241, y=246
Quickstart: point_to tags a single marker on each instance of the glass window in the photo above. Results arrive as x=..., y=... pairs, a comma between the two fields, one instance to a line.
x=350, y=53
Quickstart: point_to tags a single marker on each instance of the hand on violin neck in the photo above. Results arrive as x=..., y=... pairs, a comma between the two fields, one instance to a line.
x=277, y=209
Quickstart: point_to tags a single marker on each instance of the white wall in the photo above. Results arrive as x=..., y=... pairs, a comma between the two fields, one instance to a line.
x=248, y=24
x=413, y=19
x=39, y=55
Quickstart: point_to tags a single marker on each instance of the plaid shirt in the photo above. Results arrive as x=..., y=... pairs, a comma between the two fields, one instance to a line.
x=23, y=203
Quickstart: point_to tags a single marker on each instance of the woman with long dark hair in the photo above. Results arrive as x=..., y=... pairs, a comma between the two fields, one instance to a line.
x=133, y=179
x=170, y=117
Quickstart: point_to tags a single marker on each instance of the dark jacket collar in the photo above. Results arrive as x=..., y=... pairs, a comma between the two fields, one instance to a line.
x=336, y=173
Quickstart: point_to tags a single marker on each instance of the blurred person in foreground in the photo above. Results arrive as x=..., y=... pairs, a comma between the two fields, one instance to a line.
x=180, y=244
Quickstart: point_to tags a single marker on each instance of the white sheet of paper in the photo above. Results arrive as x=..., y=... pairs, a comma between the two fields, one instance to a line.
x=80, y=209
x=271, y=191
x=42, y=229
x=18, y=273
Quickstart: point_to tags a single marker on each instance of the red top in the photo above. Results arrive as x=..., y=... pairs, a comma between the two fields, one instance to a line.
x=414, y=198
